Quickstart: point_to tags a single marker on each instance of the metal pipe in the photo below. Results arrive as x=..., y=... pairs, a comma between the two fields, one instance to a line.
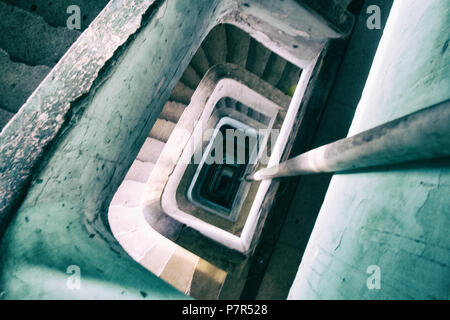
x=423, y=134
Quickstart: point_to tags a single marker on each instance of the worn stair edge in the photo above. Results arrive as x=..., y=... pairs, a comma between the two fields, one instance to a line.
x=172, y=111
x=139, y=171
x=181, y=93
x=162, y=129
x=274, y=69
x=137, y=241
x=150, y=150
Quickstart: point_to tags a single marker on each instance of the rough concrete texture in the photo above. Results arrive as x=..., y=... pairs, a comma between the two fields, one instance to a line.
x=46, y=110
x=395, y=218
x=96, y=107
x=67, y=225
x=308, y=192
x=55, y=12
x=18, y=37
x=172, y=111
x=17, y=82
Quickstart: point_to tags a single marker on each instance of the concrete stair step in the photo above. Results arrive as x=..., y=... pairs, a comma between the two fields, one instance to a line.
x=180, y=269
x=140, y=171
x=215, y=45
x=199, y=62
x=181, y=93
x=138, y=241
x=157, y=257
x=207, y=281
x=124, y=220
x=238, y=43
x=190, y=78
x=162, y=129
x=150, y=150
x=289, y=78
x=55, y=12
x=129, y=194
x=29, y=39
x=274, y=69
x=17, y=82
x=257, y=59
x=172, y=111
x=5, y=116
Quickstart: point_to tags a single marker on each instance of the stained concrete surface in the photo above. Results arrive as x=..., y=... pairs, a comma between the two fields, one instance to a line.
x=396, y=218
x=66, y=226
x=303, y=207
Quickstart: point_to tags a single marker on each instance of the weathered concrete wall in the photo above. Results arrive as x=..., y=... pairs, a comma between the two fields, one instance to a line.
x=79, y=132
x=396, y=218
x=304, y=204
x=62, y=220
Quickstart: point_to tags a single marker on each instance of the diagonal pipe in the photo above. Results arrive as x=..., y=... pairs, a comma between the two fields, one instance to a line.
x=423, y=134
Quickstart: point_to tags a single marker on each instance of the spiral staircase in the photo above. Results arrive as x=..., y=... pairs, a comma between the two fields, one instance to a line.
x=224, y=44
x=34, y=37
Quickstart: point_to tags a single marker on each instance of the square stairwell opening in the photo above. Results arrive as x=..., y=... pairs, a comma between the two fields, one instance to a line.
x=217, y=183
x=213, y=190
x=212, y=196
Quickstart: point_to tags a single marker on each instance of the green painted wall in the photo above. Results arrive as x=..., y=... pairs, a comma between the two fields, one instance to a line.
x=396, y=218
x=62, y=220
